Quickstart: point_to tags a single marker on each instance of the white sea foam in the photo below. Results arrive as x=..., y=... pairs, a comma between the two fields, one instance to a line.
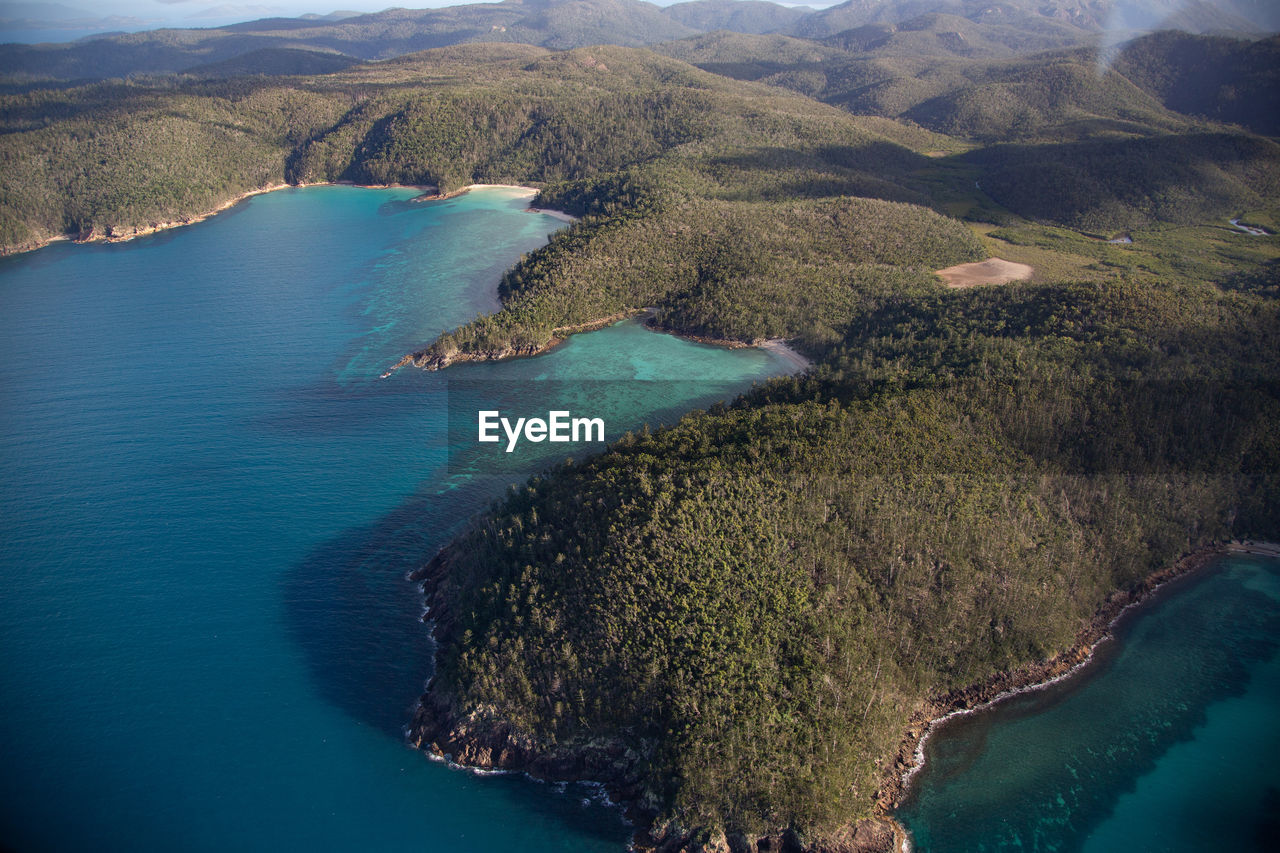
x=917, y=762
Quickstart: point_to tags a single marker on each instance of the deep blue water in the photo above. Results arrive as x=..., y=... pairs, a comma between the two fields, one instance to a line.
x=208, y=503
x=1167, y=742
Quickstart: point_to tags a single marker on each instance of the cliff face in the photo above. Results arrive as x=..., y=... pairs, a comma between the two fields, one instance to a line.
x=481, y=739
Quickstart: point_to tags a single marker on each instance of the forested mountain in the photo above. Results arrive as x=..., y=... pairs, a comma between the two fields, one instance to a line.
x=734, y=620
x=274, y=62
x=981, y=88
x=898, y=27
x=936, y=34
x=948, y=93
x=1245, y=16
x=1217, y=78
x=381, y=35
x=1103, y=149
x=1031, y=18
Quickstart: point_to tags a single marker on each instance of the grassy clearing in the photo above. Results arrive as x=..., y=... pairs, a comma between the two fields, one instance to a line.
x=1204, y=253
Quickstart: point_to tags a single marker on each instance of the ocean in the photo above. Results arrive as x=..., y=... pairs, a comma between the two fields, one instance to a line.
x=209, y=503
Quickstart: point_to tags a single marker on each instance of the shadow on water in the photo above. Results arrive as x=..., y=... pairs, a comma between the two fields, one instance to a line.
x=347, y=602
x=357, y=619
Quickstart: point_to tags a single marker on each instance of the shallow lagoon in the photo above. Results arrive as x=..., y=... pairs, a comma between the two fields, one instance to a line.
x=1167, y=741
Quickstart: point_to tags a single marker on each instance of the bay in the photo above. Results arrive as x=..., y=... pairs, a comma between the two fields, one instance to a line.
x=209, y=503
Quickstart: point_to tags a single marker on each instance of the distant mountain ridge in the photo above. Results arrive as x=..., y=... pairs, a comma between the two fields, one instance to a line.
x=953, y=26
x=754, y=17
x=1216, y=78
x=556, y=24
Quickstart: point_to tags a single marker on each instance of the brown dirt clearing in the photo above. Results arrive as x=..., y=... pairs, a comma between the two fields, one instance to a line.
x=990, y=271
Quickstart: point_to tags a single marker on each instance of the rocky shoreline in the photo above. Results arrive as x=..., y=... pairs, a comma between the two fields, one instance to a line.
x=910, y=756
x=482, y=740
x=124, y=233
x=429, y=359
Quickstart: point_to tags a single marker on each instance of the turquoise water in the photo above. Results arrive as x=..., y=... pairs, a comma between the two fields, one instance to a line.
x=1168, y=743
x=208, y=503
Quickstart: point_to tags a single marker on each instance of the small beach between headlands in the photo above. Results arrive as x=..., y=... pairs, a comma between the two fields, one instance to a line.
x=515, y=190
x=783, y=350
x=1077, y=661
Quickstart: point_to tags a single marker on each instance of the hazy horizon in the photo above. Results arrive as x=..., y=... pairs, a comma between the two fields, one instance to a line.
x=27, y=21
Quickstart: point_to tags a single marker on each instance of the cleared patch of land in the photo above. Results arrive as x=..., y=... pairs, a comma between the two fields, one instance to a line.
x=990, y=271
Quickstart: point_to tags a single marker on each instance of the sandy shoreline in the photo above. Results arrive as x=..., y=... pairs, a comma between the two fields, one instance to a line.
x=783, y=350
x=519, y=189
x=1254, y=548
x=1034, y=677
x=123, y=234
x=777, y=346
x=431, y=193
x=558, y=214
x=514, y=190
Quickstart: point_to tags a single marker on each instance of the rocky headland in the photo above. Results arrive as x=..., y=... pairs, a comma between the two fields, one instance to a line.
x=480, y=738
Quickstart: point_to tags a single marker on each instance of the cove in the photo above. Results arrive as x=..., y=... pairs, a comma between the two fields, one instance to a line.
x=209, y=503
x=1166, y=741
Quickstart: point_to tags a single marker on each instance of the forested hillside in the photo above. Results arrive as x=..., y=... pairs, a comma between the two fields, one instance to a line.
x=111, y=157
x=732, y=620
x=752, y=603
x=381, y=35
x=742, y=16
x=1217, y=78
x=657, y=148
